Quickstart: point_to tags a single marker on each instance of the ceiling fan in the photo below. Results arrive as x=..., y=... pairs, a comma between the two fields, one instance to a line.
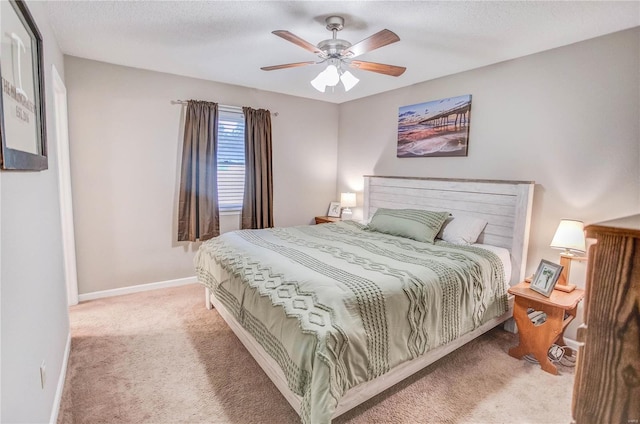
x=336, y=53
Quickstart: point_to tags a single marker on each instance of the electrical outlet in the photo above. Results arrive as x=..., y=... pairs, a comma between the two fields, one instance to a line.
x=43, y=373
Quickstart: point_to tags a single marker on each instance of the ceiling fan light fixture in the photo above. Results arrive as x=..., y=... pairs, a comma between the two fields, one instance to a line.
x=331, y=76
x=318, y=82
x=348, y=80
x=327, y=78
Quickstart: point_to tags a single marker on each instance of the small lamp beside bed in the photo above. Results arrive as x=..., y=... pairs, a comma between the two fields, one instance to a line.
x=570, y=237
x=347, y=201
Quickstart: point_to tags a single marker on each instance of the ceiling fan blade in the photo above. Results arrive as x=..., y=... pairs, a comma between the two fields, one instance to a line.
x=297, y=41
x=377, y=40
x=381, y=68
x=287, y=65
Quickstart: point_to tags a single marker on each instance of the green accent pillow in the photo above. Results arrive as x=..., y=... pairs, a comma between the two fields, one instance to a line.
x=415, y=224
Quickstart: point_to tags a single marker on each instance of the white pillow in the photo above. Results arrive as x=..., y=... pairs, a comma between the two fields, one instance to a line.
x=462, y=229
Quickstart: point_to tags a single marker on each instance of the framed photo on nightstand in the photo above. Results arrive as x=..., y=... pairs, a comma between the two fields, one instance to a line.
x=334, y=209
x=545, y=278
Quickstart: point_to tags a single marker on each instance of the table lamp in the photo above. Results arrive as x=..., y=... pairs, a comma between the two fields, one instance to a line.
x=347, y=200
x=569, y=237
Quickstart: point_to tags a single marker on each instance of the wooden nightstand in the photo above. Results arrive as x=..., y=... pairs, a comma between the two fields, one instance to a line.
x=560, y=308
x=326, y=219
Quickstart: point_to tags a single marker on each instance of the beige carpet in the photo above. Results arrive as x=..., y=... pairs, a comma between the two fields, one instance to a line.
x=161, y=357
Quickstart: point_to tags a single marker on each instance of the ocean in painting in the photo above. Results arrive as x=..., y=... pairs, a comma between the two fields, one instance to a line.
x=436, y=128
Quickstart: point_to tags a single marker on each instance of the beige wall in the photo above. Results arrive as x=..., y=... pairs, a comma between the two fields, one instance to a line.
x=567, y=119
x=125, y=141
x=35, y=321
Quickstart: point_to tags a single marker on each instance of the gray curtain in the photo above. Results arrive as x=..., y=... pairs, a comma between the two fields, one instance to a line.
x=198, y=215
x=257, y=207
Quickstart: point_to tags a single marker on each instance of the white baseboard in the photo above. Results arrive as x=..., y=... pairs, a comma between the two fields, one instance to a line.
x=572, y=344
x=63, y=376
x=138, y=288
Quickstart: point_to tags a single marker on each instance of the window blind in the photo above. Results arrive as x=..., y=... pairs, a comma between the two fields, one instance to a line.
x=230, y=159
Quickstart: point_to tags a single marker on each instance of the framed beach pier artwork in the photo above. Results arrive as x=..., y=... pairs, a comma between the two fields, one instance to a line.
x=435, y=129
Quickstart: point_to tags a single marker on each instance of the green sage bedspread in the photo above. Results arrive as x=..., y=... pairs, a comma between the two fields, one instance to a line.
x=336, y=305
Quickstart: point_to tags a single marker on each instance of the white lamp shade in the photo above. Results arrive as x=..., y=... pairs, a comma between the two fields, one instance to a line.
x=327, y=78
x=318, y=82
x=348, y=80
x=348, y=200
x=569, y=236
x=331, y=76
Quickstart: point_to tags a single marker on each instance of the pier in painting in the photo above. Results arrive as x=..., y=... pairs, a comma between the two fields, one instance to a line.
x=437, y=128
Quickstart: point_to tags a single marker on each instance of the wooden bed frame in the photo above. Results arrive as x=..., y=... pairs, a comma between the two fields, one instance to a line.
x=506, y=205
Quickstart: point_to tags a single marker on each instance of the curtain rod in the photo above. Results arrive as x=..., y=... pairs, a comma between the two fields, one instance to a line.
x=228, y=107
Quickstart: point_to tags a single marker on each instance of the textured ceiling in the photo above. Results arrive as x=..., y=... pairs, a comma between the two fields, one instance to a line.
x=228, y=41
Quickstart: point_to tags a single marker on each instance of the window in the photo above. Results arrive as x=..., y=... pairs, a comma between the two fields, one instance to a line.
x=230, y=159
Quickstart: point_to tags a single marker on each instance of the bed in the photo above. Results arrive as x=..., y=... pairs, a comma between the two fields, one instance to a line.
x=337, y=313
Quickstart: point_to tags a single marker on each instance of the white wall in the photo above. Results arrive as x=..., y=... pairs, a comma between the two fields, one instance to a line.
x=35, y=322
x=567, y=119
x=125, y=141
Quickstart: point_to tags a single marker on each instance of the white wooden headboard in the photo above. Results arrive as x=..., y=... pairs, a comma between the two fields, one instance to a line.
x=505, y=205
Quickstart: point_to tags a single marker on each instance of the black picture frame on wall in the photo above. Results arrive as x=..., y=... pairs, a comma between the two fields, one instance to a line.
x=22, y=105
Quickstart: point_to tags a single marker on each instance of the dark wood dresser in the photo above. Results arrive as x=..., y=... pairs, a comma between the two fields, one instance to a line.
x=607, y=382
